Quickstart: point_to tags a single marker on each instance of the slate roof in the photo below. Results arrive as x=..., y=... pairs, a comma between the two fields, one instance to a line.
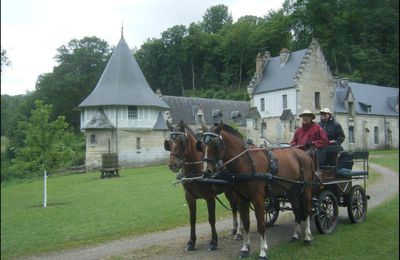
x=186, y=108
x=381, y=100
x=123, y=83
x=160, y=124
x=276, y=77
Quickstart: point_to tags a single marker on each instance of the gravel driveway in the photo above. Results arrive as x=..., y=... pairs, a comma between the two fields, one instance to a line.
x=171, y=244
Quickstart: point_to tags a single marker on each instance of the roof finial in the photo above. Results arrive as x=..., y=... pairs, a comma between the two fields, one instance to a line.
x=122, y=29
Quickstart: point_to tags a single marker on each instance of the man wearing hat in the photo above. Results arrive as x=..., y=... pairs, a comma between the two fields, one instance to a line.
x=332, y=128
x=310, y=133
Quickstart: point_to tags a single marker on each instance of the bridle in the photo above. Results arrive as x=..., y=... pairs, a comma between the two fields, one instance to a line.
x=176, y=136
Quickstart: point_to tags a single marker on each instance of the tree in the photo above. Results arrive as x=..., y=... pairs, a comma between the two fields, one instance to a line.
x=5, y=61
x=47, y=145
x=215, y=18
x=80, y=64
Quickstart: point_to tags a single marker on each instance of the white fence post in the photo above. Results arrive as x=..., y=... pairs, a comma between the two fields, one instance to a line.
x=45, y=190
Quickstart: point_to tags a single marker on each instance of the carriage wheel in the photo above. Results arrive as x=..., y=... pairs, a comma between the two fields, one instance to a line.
x=272, y=211
x=357, y=204
x=326, y=218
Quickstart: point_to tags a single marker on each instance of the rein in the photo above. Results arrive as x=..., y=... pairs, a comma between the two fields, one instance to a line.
x=242, y=153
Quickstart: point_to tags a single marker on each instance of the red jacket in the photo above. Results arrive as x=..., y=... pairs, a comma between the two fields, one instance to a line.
x=310, y=134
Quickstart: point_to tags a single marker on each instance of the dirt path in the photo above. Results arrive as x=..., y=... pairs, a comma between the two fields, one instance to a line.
x=171, y=244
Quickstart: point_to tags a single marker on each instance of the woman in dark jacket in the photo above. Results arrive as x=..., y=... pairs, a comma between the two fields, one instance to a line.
x=332, y=128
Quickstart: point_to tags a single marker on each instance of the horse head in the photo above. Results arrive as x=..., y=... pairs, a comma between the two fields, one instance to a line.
x=213, y=148
x=181, y=145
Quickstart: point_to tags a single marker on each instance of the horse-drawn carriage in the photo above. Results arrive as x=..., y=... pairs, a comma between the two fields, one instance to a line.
x=335, y=184
x=269, y=179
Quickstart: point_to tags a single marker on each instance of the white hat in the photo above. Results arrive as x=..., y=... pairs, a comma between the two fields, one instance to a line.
x=307, y=113
x=326, y=110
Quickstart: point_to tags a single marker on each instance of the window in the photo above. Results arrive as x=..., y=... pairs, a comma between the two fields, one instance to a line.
x=263, y=129
x=199, y=118
x=317, y=96
x=92, y=139
x=255, y=124
x=132, y=112
x=291, y=125
x=376, y=135
x=351, y=134
x=262, y=104
x=350, y=108
x=284, y=101
x=138, y=143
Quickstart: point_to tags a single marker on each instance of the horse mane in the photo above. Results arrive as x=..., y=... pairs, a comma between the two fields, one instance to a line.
x=230, y=130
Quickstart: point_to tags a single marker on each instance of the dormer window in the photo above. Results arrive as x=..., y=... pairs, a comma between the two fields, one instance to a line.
x=199, y=118
x=235, y=115
x=216, y=115
x=132, y=112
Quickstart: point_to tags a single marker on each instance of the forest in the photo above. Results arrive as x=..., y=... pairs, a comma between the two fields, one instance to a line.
x=213, y=58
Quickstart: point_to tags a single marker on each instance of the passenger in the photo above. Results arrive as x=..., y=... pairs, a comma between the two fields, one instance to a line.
x=332, y=128
x=310, y=133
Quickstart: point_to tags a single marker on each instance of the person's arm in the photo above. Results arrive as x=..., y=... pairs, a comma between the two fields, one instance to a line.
x=339, y=134
x=321, y=140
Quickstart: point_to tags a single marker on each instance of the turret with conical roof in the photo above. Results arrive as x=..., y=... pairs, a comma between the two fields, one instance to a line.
x=123, y=83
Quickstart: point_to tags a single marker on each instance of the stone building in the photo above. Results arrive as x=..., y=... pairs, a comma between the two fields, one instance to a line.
x=123, y=115
x=284, y=86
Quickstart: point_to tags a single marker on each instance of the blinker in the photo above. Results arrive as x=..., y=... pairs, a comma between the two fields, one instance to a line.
x=166, y=145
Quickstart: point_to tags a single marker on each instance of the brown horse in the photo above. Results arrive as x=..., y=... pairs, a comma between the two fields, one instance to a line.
x=184, y=157
x=224, y=149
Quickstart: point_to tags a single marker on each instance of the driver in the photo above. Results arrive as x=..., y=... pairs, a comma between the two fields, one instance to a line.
x=310, y=133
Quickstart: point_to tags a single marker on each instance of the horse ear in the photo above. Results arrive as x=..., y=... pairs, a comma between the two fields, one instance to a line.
x=166, y=145
x=182, y=126
x=170, y=127
x=199, y=148
x=219, y=127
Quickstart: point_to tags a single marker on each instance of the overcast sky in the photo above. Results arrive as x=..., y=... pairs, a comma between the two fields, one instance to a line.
x=32, y=30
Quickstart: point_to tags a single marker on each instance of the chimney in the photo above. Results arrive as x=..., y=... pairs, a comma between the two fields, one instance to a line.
x=284, y=56
x=259, y=66
x=344, y=82
x=158, y=92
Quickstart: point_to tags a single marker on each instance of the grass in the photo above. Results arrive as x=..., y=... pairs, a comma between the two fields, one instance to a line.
x=84, y=209
x=376, y=238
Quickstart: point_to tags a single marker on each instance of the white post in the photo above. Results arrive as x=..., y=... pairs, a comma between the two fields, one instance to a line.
x=45, y=190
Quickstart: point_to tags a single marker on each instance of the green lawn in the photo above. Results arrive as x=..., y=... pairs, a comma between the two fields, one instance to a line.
x=376, y=238
x=84, y=209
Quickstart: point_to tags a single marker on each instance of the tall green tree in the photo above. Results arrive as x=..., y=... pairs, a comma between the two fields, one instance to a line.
x=80, y=64
x=48, y=145
x=215, y=18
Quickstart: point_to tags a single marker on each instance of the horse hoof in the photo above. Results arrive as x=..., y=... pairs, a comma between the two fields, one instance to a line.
x=244, y=254
x=212, y=247
x=307, y=242
x=238, y=237
x=190, y=246
x=293, y=239
x=263, y=258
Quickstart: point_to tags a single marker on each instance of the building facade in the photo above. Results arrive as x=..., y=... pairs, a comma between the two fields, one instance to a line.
x=284, y=86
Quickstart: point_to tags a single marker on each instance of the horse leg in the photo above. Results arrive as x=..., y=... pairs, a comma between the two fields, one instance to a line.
x=211, y=219
x=259, y=208
x=234, y=208
x=245, y=218
x=191, y=201
x=296, y=211
x=307, y=211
